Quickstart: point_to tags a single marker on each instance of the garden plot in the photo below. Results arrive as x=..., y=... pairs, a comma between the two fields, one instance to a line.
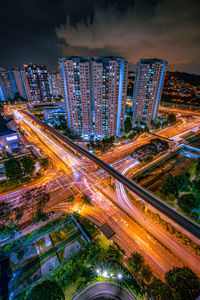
x=63, y=233
x=153, y=177
x=32, y=262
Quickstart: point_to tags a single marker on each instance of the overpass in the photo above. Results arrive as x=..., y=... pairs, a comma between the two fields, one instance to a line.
x=180, y=219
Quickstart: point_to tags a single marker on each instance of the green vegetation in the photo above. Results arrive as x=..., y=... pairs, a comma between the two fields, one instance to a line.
x=146, y=273
x=148, y=151
x=59, y=123
x=188, y=202
x=46, y=290
x=160, y=290
x=80, y=269
x=164, y=122
x=90, y=228
x=86, y=200
x=171, y=119
x=17, y=171
x=29, y=238
x=184, y=282
x=185, y=190
x=44, y=162
x=103, y=145
x=28, y=165
x=136, y=262
x=137, y=266
x=127, y=125
x=181, y=283
x=155, y=218
x=13, y=169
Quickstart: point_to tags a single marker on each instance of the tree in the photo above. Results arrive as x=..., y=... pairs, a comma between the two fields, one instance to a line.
x=146, y=273
x=127, y=125
x=169, y=186
x=160, y=290
x=42, y=199
x=44, y=162
x=5, y=210
x=86, y=200
x=184, y=281
x=171, y=118
x=197, y=170
x=19, y=211
x=136, y=262
x=28, y=164
x=70, y=199
x=187, y=202
x=46, y=290
x=13, y=169
x=1, y=108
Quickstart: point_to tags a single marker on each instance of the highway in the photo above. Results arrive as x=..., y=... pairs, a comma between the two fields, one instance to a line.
x=180, y=219
x=130, y=235
x=179, y=111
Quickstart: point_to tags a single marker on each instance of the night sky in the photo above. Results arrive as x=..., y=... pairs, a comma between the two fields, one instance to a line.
x=41, y=31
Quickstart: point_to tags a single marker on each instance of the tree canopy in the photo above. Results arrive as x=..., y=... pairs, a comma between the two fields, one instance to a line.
x=197, y=170
x=184, y=281
x=187, y=202
x=171, y=118
x=146, y=273
x=13, y=169
x=46, y=290
x=160, y=290
x=28, y=164
x=127, y=124
x=136, y=262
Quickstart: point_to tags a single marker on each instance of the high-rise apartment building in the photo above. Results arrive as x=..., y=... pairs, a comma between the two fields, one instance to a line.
x=54, y=84
x=148, y=87
x=75, y=89
x=37, y=77
x=95, y=94
x=6, y=85
x=109, y=86
x=21, y=82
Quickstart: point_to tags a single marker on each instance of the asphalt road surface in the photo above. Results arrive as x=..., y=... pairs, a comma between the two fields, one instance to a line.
x=108, y=290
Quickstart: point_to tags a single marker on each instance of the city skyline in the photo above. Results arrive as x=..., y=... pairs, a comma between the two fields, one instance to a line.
x=100, y=149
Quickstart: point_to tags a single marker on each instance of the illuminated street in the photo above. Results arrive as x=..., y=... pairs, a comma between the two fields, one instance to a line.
x=130, y=235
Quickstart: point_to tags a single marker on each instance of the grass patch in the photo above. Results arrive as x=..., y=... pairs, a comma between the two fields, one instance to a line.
x=29, y=238
x=90, y=228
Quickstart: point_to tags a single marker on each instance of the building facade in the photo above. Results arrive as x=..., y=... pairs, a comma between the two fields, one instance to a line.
x=150, y=74
x=37, y=77
x=22, y=83
x=95, y=93
x=109, y=87
x=54, y=84
x=75, y=89
x=6, y=85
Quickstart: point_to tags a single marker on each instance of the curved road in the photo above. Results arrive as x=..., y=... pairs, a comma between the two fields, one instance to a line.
x=109, y=290
x=182, y=220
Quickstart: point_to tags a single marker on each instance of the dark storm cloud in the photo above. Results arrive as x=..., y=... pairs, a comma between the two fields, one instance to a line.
x=130, y=28
x=27, y=27
x=167, y=29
